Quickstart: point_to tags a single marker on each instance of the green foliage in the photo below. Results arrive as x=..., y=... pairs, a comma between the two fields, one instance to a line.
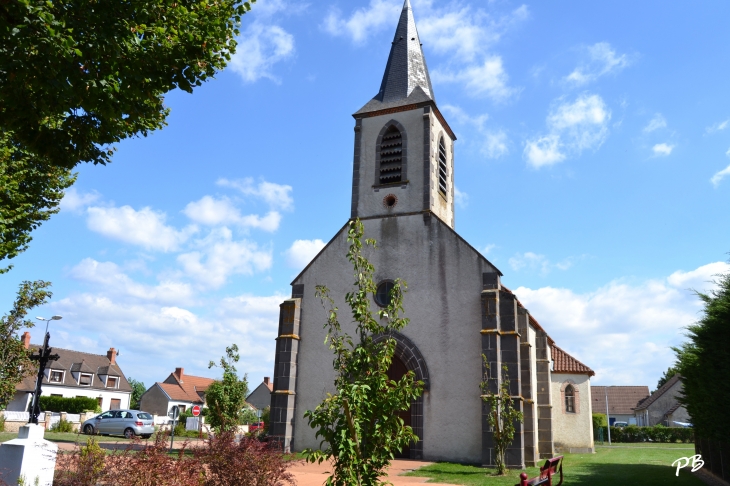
x=62, y=427
x=15, y=363
x=138, y=390
x=703, y=364
x=655, y=433
x=599, y=420
x=359, y=425
x=32, y=189
x=671, y=371
x=2, y=422
x=92, y=458
x=70, y=405
x=266, y=418
x=502, y=416
x=227, y=397
x=249, y=415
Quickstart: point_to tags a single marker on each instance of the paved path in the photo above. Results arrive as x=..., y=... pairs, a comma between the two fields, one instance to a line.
x=308, y=474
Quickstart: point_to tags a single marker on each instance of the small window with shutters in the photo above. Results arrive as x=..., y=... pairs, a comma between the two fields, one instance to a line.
x=442, y=167
x=391, y=156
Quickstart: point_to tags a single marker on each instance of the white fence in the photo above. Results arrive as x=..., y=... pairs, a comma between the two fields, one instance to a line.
x=162, y=419
x=73, y=417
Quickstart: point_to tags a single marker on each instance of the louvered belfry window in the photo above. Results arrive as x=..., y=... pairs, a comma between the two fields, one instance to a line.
x=391, y=156
x=442, y=167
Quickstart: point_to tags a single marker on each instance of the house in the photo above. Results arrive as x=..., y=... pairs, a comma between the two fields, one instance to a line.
x=663, y=406
x=77, y=374
x=260, y=398
x=178, y=389
x=459, y=310
x=621, y=401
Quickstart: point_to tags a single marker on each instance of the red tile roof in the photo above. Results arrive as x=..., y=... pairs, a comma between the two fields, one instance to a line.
x=190, y=389
x=621, y=399
x=565, y=363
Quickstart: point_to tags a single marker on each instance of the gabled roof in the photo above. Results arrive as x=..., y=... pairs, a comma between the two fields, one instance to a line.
x=71, y=362
x=190, y=389
x=180, y=394
x=661, y=391
x=621, y=399
x=565, y=363
x=406, y=80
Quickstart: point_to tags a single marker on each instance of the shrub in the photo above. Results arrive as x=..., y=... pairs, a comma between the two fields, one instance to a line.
x=62, y=426
x=656, y=433
x=599, y=420
x=83, y=467
x=2, y=421
x=70, y=405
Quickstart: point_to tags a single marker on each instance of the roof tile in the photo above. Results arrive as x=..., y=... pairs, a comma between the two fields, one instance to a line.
x=565, y=363
x=621, y=399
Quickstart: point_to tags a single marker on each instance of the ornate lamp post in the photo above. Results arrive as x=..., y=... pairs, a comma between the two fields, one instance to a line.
x=43, y=357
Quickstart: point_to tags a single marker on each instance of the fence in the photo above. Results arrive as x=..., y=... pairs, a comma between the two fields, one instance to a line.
x=716, y=456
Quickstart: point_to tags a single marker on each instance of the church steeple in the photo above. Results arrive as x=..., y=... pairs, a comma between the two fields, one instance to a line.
x=406, y=69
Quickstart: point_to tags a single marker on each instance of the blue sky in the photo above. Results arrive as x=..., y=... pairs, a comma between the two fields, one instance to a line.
x=592, y=167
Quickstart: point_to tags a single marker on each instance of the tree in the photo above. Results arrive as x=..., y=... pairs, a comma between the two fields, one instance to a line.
x=671, y=371
x=227, y=397
x=703, y=364
x=15, y=363
x=138, y=390
x=77, y=77
x=359, y=425
x=502, y=415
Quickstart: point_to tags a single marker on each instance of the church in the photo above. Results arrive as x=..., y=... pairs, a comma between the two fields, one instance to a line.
x=403, y=192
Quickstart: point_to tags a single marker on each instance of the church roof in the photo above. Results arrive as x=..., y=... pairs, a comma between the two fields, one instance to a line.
x=406, y=80
x=565, y=363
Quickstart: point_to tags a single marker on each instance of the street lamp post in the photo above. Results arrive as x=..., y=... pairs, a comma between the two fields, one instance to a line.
x=608, y=419
x=43, y=357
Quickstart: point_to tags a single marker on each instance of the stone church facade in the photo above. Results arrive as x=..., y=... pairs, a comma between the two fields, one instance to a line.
x=403, y=192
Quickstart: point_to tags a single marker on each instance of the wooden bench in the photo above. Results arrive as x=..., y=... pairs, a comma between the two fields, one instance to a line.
x=551, y=468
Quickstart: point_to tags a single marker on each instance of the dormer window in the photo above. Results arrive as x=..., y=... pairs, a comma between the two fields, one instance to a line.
x=55, y=376
x=391, y=156
x=442, y=167
x=85, y=379
x=112, y=382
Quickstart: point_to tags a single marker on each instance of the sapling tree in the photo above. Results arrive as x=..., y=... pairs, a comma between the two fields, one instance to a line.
x=358, y=425
x=502, y=415
x=226, y=397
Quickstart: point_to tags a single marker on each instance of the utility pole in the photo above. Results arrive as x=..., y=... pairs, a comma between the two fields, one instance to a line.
x=608, y=420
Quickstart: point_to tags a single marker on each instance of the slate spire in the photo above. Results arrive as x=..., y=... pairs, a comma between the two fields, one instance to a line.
x=406, y=69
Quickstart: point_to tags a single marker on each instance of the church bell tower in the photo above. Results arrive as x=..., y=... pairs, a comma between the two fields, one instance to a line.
x=404, y=149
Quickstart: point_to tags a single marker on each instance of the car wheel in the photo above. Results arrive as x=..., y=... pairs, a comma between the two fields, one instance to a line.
x=88, y=429
x=129, y=433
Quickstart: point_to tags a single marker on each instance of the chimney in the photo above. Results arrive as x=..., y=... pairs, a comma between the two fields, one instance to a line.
x=112, y=355
x=179, y=374
x=25, y=339
x=266, y=380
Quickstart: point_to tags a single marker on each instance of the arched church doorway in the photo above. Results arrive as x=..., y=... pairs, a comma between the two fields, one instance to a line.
x=396, y=371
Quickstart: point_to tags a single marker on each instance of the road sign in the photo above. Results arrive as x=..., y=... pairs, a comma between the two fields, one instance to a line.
x=174, y=413
x=196, y=410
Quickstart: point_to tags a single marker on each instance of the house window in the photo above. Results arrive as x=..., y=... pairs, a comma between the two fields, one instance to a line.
x=85, y=379
x=569, y=399
x=56, y=376
x=382, y=294
x=442, y=167
x=112, y=382
x=391, y=156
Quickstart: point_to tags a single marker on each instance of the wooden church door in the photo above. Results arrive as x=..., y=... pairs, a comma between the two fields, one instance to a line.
x=395, y=372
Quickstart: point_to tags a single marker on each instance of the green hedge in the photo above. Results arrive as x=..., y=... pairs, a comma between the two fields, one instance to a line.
x=657, y=433
x=69, y=405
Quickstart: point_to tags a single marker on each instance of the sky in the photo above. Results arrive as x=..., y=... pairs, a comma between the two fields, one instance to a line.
x=592, y=168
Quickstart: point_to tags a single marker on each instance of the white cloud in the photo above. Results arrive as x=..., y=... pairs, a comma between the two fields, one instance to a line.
x=495, y=144
x=718, y=176
x=718, y=127
x=656, y=123
x=145, y=227
x=260, y=48
x=75, y=201
x=701, y=279
x=463, y=118
x=535, y=262
x=486, y=79
x=623, y=330
x=212, y=212
x=218, y=257
x=662, y=149
x=364, y=22
x=460, y=198
x=573, y=128
x=301, y=252
x=488, y=248
x=601, y=60
x=277, y=196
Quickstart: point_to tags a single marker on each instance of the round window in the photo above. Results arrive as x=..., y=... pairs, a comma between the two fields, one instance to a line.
x=382, y=294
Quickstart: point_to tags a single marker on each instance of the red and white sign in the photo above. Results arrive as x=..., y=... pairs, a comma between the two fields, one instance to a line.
x=196, y=410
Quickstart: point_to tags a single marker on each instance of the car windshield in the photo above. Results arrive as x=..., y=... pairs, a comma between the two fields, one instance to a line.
x=144, y=416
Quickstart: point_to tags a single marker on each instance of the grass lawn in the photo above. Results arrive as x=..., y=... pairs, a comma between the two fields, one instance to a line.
x=625, y=465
